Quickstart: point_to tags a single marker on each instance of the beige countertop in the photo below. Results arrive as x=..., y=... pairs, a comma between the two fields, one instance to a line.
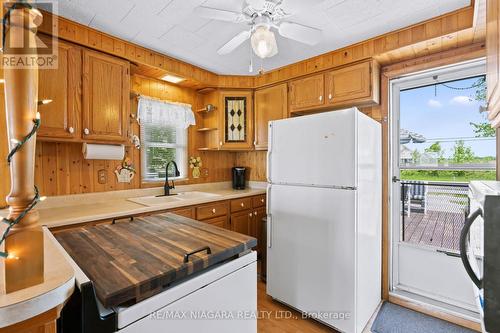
x=80, y=208
x=57, y=286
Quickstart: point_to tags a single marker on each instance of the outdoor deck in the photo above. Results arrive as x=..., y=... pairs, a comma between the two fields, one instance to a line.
x=435, y=228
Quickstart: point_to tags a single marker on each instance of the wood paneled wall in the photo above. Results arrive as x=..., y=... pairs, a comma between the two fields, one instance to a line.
x=60, y=168
x=255, y=162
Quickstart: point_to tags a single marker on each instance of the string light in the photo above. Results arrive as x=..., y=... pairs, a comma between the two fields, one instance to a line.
x=44, y=101
x=19, y=144
x=13, y=222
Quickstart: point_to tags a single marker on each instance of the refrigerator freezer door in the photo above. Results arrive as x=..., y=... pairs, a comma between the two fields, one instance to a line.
x=318, y=150
x=311, y=258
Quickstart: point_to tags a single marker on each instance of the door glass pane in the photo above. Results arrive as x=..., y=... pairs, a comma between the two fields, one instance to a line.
x=235, y=119
x=445, y=142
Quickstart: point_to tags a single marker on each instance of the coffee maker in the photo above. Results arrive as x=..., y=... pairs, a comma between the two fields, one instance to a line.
x=239, y=178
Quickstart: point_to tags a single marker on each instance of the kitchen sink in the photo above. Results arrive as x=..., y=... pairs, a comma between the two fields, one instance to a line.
x=161, y=200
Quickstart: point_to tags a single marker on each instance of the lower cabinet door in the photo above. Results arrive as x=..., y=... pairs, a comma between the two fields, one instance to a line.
x=256, y=229
x=218, y=222
x=240, y=222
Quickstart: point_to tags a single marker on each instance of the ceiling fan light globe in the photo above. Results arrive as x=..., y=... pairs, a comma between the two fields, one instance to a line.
x=264, y=42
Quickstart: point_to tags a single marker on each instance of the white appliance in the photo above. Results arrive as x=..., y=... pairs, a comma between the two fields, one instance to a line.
x=324, y=216
x=480, y=252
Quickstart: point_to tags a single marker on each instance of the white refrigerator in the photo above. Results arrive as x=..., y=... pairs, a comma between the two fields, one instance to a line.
x=324, y=216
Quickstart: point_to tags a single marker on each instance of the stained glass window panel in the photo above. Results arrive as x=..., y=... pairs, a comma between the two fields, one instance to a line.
x=236, y=113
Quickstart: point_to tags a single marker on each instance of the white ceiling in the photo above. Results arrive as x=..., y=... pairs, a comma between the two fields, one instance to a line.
x=170, y=26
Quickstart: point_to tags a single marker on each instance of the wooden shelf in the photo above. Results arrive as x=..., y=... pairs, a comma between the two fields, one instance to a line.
x=207, y=149
x=206, y=109
x=207, y=129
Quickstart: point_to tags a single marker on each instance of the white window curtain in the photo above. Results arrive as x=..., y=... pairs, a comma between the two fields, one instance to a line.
x=153, y=111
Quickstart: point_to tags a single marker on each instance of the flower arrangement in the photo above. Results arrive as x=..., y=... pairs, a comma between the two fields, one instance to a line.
x=195, y=164
x=126, y=164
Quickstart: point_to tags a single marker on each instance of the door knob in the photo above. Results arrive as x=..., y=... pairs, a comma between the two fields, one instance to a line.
x=71, y=130
x=86, y=131
x=395, y=179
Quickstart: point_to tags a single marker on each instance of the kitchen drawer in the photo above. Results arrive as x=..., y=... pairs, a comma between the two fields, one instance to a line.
x=218, y=221
x=241, y=204
x=259, y=201
x=211, y=210
x=186, y=212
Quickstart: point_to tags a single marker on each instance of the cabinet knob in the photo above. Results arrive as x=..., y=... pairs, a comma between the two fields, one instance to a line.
x=242, y=204
x=330, y=96
x=213, y=211
x=71, y=130
x=220, y=143
x=255, y=213
x=320, y=98
x=262, y=200
x=86, y=131
x=250, y=214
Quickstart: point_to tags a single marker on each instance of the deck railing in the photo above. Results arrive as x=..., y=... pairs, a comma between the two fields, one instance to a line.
x=433, y=213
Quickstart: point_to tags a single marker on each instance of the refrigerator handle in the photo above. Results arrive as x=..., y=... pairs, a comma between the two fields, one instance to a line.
x=463, y=247
x=269, y=217
x=269, y=151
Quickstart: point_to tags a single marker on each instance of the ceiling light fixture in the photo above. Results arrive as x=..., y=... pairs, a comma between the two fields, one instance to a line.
x=264, y=42
x=172, y=78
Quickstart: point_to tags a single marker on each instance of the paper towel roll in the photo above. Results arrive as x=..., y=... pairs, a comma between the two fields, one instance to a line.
x=103, y=152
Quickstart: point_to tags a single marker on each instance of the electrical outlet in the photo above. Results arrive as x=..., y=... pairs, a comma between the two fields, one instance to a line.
x=204, y=172
x=102, y=176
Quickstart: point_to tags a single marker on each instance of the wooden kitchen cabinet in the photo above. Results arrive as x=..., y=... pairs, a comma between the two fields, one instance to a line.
x=241, y=221
x=106, y=101
x=186, y=212
x=353, y=85
x=307, y=93
x=256, y=226
x=493, y=60
x=236, y=120
x=218, y=222
x=241, y=204
x=60, y=119
x=211, y=210
x=270, y=104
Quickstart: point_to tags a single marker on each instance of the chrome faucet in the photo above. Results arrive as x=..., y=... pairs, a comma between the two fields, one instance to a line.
x=167, y=187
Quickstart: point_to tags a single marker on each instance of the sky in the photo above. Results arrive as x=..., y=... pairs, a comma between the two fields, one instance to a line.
x=445, y=113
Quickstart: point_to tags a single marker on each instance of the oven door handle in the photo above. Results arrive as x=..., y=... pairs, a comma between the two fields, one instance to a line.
x=463, y=247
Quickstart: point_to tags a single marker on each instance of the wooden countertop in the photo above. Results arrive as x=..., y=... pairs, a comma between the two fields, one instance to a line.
x=82, y=208
x=131, y=261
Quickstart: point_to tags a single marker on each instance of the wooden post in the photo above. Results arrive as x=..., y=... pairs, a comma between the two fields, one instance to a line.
x=25, y=241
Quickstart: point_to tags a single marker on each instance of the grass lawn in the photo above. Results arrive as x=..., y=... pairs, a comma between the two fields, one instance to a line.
x=447, y=176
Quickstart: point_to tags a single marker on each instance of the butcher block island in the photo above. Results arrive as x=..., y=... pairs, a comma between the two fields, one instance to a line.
x=161, y=272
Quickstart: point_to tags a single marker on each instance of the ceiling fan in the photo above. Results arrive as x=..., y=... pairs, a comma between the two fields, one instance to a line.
x=263, y=16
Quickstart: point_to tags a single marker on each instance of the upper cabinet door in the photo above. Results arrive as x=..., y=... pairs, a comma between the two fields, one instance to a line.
x=236, y=120
x=270, y=104
x=349, y=84
x=307, y=93
x=106, y=89
x=61, y=118
x=493, y=60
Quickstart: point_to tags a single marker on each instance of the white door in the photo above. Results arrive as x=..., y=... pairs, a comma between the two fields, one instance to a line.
x=426, y=271
x=318, y=150
x=311, y=244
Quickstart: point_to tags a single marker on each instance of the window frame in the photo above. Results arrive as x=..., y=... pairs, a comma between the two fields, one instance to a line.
x=180, y=158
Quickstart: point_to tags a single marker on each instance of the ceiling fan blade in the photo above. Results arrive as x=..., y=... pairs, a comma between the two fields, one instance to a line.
x=234, y=43
x=256, y=4
x=217, y=14
x=301, y=33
